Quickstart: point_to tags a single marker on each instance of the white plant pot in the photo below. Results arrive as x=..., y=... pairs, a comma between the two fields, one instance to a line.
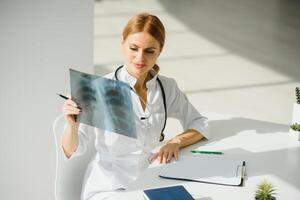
x=294, y=135
x=296, y=113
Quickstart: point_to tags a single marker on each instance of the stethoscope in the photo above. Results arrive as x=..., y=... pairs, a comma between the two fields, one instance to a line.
x=162, y=135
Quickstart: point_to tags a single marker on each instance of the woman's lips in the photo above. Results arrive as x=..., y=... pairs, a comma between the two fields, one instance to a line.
x=140, y=65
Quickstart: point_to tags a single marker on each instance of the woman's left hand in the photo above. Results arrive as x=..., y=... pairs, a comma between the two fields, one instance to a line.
x=167, y=152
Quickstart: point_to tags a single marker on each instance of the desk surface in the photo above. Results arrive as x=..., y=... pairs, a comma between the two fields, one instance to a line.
x=270, y=152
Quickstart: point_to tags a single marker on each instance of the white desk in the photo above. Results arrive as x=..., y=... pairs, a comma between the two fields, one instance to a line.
x=269, y=151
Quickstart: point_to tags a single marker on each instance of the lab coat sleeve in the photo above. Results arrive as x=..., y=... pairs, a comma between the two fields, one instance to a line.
x=179, y=107
x=86, y=134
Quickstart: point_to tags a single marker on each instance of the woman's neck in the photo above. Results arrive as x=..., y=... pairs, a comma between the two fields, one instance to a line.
x=141, y=82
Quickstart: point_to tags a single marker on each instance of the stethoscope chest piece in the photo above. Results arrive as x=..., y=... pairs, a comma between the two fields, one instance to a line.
x=162, y=137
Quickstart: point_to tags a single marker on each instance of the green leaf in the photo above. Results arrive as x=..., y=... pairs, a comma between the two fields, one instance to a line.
x=295, y=127
x=265, y=191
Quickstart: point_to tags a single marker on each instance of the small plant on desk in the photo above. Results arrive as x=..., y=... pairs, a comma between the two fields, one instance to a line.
x=265, y=191
x=295, y=127
x=297, y=95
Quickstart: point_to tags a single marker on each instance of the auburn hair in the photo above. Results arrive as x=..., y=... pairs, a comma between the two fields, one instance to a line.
x=145, y=22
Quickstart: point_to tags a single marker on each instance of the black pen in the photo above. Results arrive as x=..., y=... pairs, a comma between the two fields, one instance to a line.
x=62, y=96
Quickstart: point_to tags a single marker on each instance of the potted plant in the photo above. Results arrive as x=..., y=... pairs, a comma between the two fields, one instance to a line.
x=296, y=109
x=296, y=130
x=265, y=191
x=297, y=95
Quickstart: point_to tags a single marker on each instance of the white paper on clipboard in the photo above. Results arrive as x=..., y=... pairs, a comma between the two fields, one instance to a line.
x=207, y=169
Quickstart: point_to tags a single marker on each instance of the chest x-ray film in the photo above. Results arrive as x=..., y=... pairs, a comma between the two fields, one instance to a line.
x=106, y=104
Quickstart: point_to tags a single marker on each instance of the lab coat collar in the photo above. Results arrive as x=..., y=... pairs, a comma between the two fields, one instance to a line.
x=152, y=82
x=126, y=77
x=131, y=80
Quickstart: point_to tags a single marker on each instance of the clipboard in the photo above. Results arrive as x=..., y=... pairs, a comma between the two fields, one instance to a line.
x=211, y=169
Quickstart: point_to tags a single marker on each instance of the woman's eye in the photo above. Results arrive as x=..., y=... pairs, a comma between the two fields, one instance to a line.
x=150, y=51
x=133, y=49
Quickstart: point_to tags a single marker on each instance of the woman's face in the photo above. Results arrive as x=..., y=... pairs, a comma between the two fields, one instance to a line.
x=141, y=51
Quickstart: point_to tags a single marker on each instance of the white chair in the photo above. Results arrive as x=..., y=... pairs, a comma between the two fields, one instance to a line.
x=69, y=173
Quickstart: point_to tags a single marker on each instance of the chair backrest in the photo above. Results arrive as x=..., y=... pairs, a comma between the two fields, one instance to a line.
x=69, y=172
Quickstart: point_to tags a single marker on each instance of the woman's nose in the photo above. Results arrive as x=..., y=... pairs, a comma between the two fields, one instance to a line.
x=140, y=56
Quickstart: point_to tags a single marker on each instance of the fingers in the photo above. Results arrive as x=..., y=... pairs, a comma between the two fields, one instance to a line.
x=70, y=109
x=69, y=96
x=164, y=156
x=158, y=156
x=167, y=153
x=154, y=157
x=176, y=155
x=71, y=112
x=169, y=157
x=70, y=101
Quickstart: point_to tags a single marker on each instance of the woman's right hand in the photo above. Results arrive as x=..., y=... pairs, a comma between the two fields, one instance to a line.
x=70, y=111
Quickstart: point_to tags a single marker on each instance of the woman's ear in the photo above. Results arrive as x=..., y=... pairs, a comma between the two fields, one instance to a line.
x=123, y=45
x=159, y=53
x=122, y=40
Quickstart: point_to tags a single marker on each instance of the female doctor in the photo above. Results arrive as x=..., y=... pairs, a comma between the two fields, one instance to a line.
x=120, y=159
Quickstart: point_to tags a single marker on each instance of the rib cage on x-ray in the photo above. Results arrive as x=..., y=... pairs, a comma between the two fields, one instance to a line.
x=105, y=103
x=118, y=103
x=86, y=97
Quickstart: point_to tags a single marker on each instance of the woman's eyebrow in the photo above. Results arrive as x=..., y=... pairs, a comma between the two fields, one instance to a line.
x=139, y=46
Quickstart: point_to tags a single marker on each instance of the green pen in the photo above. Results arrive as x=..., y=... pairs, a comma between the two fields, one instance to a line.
x=207, y=152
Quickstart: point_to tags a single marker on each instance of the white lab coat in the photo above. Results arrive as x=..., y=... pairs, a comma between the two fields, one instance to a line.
x=120, y=159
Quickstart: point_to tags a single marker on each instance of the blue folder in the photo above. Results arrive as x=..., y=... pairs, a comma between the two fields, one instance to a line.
x=168, y=193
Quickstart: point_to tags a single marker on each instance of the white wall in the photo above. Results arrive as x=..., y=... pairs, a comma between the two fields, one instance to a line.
x=39, y=41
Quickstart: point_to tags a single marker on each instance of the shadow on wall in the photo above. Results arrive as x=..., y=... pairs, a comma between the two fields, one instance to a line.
x=265, y=32
x=224, y=128
x=101, y=69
